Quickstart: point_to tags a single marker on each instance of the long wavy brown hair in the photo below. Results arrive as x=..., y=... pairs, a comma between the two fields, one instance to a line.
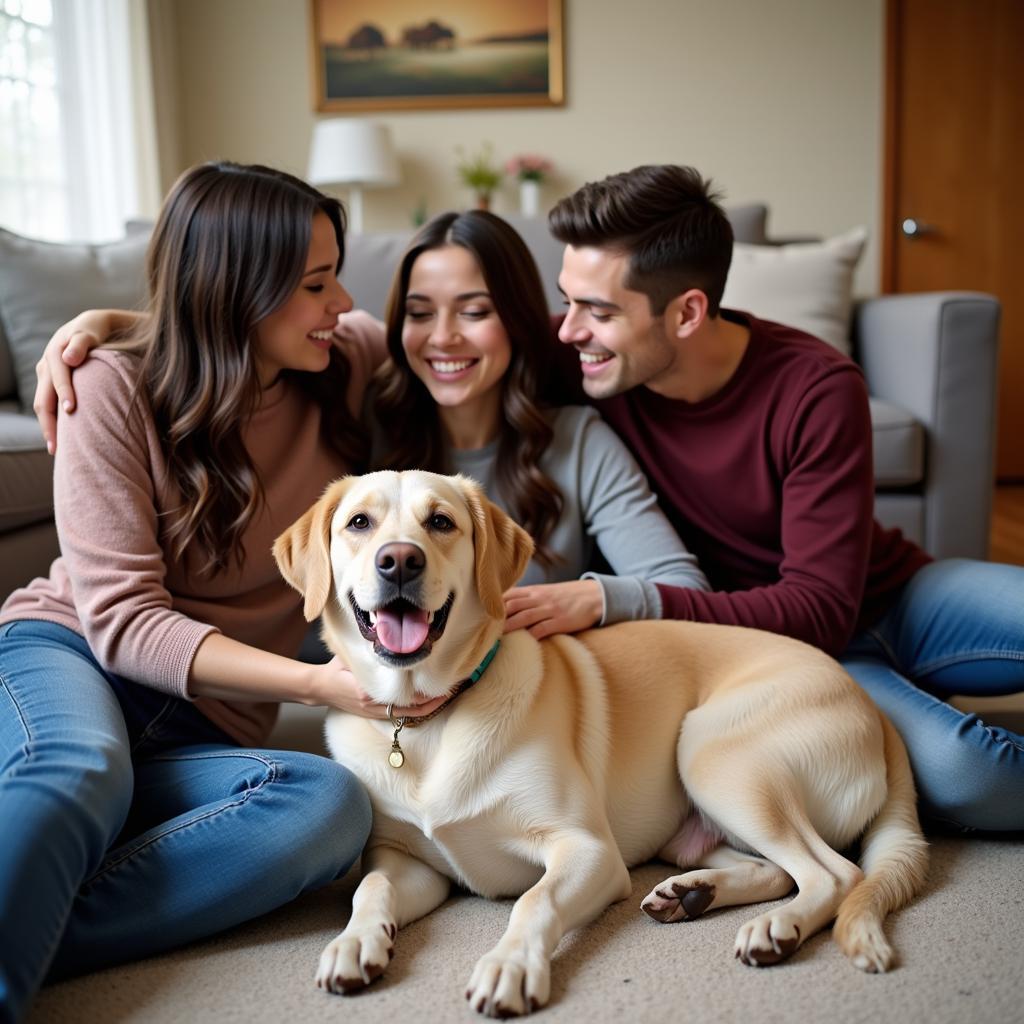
x=229, y=248
x=409, y=417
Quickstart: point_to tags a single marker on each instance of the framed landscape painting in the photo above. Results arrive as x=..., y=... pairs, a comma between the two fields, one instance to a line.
x=406, y=55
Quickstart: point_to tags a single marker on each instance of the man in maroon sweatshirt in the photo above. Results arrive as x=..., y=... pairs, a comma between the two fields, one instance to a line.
x=757, y=439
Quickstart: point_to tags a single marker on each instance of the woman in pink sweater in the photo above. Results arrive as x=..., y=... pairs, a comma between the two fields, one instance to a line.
x=139, y=679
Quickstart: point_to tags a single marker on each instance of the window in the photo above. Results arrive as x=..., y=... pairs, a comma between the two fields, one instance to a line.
x=33, y=190
x=74, y=91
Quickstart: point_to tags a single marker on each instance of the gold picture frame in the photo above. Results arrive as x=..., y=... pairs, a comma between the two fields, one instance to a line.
x=384, y=55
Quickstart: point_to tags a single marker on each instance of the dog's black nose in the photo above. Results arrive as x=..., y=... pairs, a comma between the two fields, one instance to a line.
x=400, y=563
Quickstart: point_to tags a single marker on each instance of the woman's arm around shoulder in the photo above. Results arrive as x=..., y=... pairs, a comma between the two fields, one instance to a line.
x=69, y=347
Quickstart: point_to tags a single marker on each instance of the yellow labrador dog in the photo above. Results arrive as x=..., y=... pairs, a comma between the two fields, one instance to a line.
x=745, y=758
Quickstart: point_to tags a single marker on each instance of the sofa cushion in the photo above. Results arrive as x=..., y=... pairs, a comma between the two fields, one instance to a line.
x=8, y=387
x=43, y=284
x=898, y=440
x=808, y=285
x=26, y=471
x=370, y=262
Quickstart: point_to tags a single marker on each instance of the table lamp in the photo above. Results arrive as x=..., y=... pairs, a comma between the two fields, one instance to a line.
x=356, y=153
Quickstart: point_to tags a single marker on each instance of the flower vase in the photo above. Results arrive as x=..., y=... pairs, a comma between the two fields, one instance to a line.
x=483, y=200
x=529, y=197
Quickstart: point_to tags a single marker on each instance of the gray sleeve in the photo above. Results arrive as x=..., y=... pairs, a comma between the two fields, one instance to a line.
x=622, y=515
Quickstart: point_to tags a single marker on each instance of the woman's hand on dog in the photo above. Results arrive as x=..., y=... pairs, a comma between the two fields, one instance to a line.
x=338, y=689
x=549, y=608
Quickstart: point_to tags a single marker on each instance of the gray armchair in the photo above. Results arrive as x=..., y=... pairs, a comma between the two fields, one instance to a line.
x=931, y=361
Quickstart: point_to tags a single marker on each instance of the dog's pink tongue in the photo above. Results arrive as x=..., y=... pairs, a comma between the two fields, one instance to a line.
x=402, y=632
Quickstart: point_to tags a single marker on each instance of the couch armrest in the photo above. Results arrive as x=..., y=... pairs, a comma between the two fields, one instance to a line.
x=935, y=354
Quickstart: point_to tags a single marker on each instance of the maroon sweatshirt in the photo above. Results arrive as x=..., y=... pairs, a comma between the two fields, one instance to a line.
x=770, y=483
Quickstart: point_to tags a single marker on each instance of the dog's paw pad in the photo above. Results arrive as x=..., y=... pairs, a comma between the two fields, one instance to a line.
x=661, y=909
x=768, y=957
x=374, y=971
x=346, y=985
x=763, y=943
x=695, y=898
x=684, y=902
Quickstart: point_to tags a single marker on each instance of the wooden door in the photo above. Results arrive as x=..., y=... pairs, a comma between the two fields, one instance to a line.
x=955, y=167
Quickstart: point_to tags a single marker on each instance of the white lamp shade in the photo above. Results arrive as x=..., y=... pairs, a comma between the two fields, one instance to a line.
x=352, y=152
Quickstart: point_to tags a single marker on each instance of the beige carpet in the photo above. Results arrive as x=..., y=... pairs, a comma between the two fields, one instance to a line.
x=962, y=961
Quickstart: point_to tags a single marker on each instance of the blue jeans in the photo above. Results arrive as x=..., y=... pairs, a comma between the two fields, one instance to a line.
x=131, y=824
x=957, y=629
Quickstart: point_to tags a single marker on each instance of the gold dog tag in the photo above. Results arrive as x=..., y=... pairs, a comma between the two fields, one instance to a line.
x=396, y=758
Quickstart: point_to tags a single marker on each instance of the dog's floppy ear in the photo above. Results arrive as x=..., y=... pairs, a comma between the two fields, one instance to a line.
x=303, y=551
x=501, y=547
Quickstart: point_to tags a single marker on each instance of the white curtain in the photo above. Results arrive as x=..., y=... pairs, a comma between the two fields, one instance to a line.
x=77, y=123
x=106, y=93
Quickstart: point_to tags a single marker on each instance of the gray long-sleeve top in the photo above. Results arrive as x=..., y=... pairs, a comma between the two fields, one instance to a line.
x=608, y=503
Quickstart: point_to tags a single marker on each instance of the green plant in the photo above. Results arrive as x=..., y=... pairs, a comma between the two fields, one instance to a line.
x=479, y=171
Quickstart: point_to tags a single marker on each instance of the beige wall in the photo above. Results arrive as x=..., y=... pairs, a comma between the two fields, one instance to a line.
x=777, y=100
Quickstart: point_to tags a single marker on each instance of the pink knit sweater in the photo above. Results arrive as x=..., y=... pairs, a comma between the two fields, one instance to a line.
x=143, y=612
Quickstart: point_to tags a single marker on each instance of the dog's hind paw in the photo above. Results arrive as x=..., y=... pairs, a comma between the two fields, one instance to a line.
x=677, y=900
x=351, y=961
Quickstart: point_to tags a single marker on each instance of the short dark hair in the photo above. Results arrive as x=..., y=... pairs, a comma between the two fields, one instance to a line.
x=666, y=218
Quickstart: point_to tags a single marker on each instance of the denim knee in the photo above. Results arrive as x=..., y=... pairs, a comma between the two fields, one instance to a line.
x=331, y=813
x=981, y=783
x=92, y=775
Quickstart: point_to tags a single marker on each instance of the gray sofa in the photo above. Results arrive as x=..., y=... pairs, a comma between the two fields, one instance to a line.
x=929, y=359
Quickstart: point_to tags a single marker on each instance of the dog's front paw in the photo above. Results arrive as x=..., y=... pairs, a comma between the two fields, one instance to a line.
x=355, y=958
x=509, y=985
x=768, y=939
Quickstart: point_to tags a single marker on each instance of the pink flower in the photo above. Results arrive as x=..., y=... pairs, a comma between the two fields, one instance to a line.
x=528, y=167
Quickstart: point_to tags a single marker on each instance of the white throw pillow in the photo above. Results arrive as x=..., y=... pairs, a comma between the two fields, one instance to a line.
x=808, y=285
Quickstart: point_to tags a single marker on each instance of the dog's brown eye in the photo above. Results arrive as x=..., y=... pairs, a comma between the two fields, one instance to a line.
x=440, y=522
x=359, y=522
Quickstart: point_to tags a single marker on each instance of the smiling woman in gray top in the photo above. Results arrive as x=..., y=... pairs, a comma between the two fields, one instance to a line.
x=608, y=505
x=467, y=389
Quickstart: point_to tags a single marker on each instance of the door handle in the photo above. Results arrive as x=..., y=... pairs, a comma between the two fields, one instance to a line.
x=914, y=228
